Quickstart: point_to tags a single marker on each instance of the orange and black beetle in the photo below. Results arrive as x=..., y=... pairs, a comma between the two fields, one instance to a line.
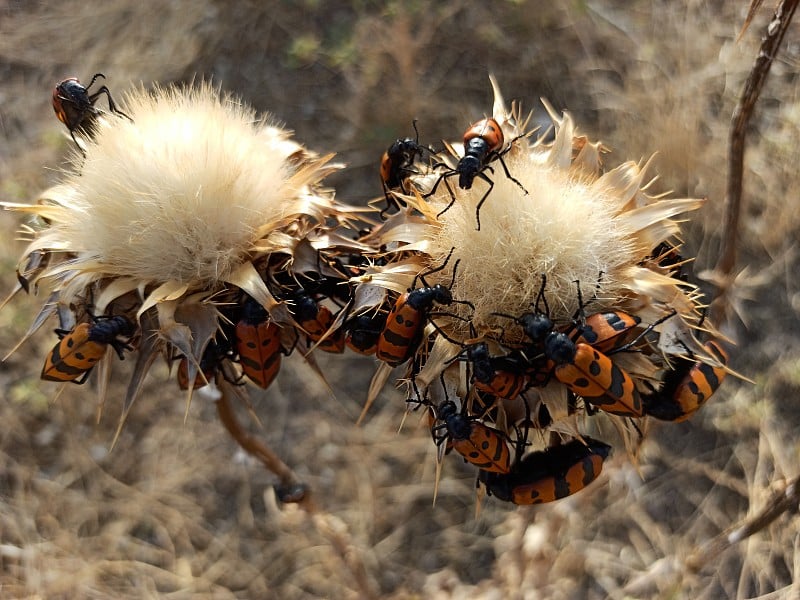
x=79, y=350
x=550, y=474
x=502, y=376
x=397, y=163
x=316, y=319
x=584, y=369
x=363, y=331
x=483, y=144
x=405, y=324
x=74, y=106
x=258, y=343
x=479, y=444
x=687, y=387
x=210, y=362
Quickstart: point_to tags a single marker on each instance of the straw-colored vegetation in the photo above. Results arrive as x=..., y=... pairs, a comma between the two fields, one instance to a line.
x=176, y=511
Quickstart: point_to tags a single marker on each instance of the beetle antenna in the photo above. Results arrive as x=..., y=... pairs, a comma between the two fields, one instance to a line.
x=421, y=276
x=96, y=75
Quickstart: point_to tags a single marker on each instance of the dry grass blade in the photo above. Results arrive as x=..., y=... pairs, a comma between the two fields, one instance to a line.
x=741, y=118
x=335, y=531
x=252, y=445
x=783, y=501
x=751, y=13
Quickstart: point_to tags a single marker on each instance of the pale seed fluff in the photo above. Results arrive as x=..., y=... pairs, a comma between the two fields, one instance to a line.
x=564, y=229
x=180, y=193
x=174, y=212
x=567, y=234
x=567, y=229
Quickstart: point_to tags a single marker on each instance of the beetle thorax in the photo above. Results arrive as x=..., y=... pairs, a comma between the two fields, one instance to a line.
x=559, y=348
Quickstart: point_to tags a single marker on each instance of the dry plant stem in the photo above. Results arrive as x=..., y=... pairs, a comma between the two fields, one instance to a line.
x=751, y=13
x=328, y=526
x=250, y=444
x=741, y=117
x=339, y=538
x=786, y=500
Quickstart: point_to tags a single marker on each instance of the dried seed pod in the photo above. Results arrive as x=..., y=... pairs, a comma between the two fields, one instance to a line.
x=176, y=214
x=548, y=211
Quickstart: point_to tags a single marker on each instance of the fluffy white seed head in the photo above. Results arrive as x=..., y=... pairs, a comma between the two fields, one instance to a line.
x=174, y=211
x=564, y=228
x=178, y=193
x=558, y=232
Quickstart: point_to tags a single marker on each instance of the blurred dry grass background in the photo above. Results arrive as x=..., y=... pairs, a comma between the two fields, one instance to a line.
x=176, y=512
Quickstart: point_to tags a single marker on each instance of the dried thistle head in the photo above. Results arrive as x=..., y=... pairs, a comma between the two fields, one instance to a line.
x=179, y=199
x=563, y=219
x=558, y=234
x=191, y=189
x=171, y=216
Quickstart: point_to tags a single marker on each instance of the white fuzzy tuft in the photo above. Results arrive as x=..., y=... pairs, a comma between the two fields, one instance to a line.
x=583, y=230
x=175, y=213
x=179, y=193
x=564, y=228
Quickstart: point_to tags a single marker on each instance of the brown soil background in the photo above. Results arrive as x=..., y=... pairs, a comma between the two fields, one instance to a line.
x=175, y=511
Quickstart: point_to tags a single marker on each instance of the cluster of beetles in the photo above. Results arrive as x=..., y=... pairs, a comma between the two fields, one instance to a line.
x=579, y=355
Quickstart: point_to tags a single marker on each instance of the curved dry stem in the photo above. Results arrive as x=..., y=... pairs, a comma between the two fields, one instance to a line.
x=726, y=263
x=782, y=501
x=254, y=446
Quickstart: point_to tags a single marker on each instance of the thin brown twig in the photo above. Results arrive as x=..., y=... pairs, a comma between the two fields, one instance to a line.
x=782, y=501
x=751, y=13
x=333, y=529
x=337, y=534
x=256, y=448
x=726, y=263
